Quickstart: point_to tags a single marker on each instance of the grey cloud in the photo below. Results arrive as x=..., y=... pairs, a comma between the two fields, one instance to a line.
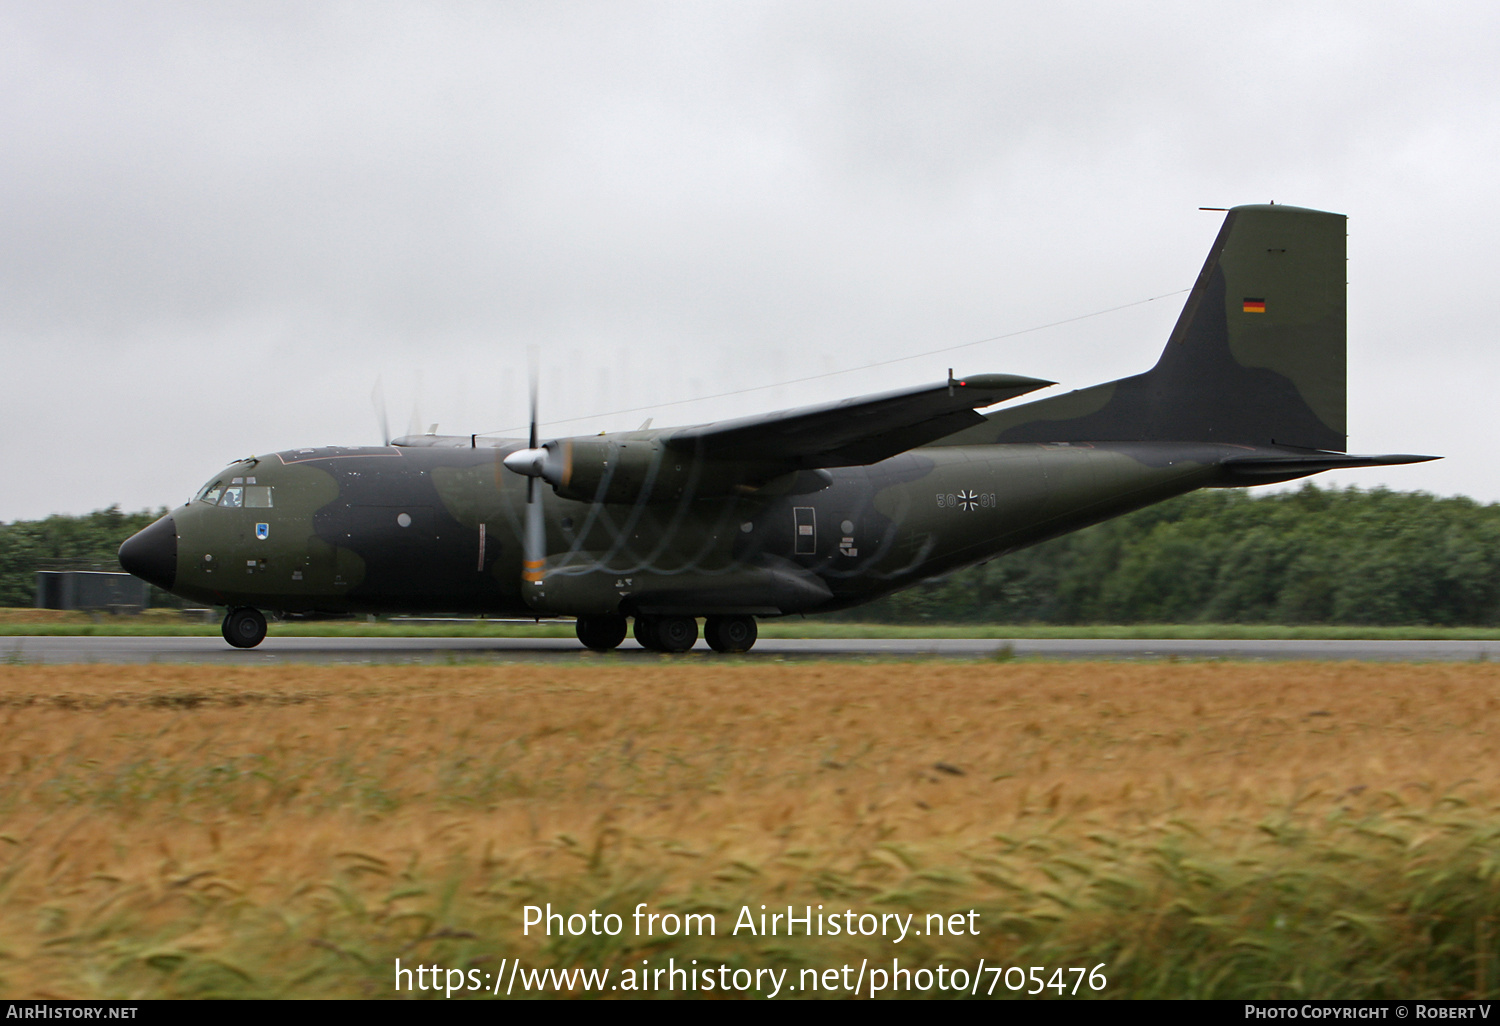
x=220, y=223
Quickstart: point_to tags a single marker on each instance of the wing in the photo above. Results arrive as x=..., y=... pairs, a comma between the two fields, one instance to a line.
x=854, y=432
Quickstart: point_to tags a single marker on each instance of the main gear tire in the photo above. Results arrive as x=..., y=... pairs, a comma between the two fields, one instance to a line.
x=731, y=634
x=645, y=634
x=601, y=633
x=676, y=633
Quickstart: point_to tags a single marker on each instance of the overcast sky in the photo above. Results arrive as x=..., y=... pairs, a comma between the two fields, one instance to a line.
x=221, y=225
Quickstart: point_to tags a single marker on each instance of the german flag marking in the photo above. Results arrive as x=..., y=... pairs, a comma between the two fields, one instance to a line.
x=1255, y=305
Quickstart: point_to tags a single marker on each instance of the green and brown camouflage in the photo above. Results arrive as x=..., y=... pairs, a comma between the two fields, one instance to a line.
x=807, y=510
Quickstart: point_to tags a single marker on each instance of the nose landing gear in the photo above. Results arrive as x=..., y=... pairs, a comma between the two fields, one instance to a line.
x=244, y=627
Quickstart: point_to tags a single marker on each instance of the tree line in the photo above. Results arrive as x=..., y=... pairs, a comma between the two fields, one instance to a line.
x=89, y=542
x=1315, y=555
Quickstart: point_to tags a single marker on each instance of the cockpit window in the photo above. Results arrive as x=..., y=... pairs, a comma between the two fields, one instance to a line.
x=210, y=493
x=258, y=496
x=233, y=497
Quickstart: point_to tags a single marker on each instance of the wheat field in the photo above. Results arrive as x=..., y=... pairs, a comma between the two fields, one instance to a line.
x=1204, y=829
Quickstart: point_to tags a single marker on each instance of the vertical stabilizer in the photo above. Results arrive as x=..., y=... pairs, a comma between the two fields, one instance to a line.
x=1257, y=356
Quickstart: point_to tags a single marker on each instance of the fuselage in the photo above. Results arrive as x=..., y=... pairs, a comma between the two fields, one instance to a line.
x=805, y=510
x=397, y=529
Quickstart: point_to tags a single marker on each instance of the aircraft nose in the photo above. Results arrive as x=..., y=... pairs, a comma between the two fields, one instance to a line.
x=151, y=553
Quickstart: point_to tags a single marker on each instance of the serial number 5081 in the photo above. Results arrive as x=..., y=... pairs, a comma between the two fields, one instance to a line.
x=966, y=500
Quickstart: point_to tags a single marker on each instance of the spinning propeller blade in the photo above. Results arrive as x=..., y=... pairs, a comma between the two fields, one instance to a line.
x=534, y=544
x=377, y=397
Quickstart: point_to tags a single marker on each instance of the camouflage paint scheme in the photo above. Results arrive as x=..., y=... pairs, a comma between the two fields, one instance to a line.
x=712, y=520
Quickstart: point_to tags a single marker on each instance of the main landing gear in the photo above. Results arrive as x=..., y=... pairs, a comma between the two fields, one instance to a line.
x=730, y=633
x=666, y=633
x=669, y=634
x=601, y=633
x=244, y=627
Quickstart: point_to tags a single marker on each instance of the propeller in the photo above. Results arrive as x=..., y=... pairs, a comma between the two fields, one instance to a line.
x=414, y=425
x=530, y=463
x=552, y=463
x=539, y=462
x=377, y=397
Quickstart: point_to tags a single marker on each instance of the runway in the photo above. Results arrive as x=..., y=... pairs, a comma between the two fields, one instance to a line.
x=34, y=649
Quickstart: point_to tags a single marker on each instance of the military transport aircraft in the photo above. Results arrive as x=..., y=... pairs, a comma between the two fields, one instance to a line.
x=802, y=511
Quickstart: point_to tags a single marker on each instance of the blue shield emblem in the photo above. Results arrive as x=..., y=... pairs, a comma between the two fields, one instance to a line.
x=262, y=530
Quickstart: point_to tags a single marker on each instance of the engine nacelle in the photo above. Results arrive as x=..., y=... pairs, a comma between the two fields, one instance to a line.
x=630, y=470
x=626, y=470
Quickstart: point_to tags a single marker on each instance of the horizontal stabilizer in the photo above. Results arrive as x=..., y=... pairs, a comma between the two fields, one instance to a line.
x=855, y=432
x=1293, y=465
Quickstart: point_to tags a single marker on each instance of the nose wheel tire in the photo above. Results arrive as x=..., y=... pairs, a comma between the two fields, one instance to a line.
x=601, y=633
x=244, y=628
x=730, y=634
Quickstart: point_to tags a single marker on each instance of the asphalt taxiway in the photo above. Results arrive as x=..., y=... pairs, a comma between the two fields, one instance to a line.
x=74, y=649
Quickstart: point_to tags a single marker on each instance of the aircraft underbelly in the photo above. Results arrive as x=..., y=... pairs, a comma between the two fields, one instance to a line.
x=769, y=587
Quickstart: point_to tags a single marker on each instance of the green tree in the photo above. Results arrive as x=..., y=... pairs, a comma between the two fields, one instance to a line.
x=27, y=546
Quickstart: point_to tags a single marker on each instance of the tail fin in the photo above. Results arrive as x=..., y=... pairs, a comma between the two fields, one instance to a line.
x=1256, y=358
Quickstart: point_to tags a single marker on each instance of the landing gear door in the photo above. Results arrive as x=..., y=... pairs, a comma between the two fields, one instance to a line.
x=805, y=528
